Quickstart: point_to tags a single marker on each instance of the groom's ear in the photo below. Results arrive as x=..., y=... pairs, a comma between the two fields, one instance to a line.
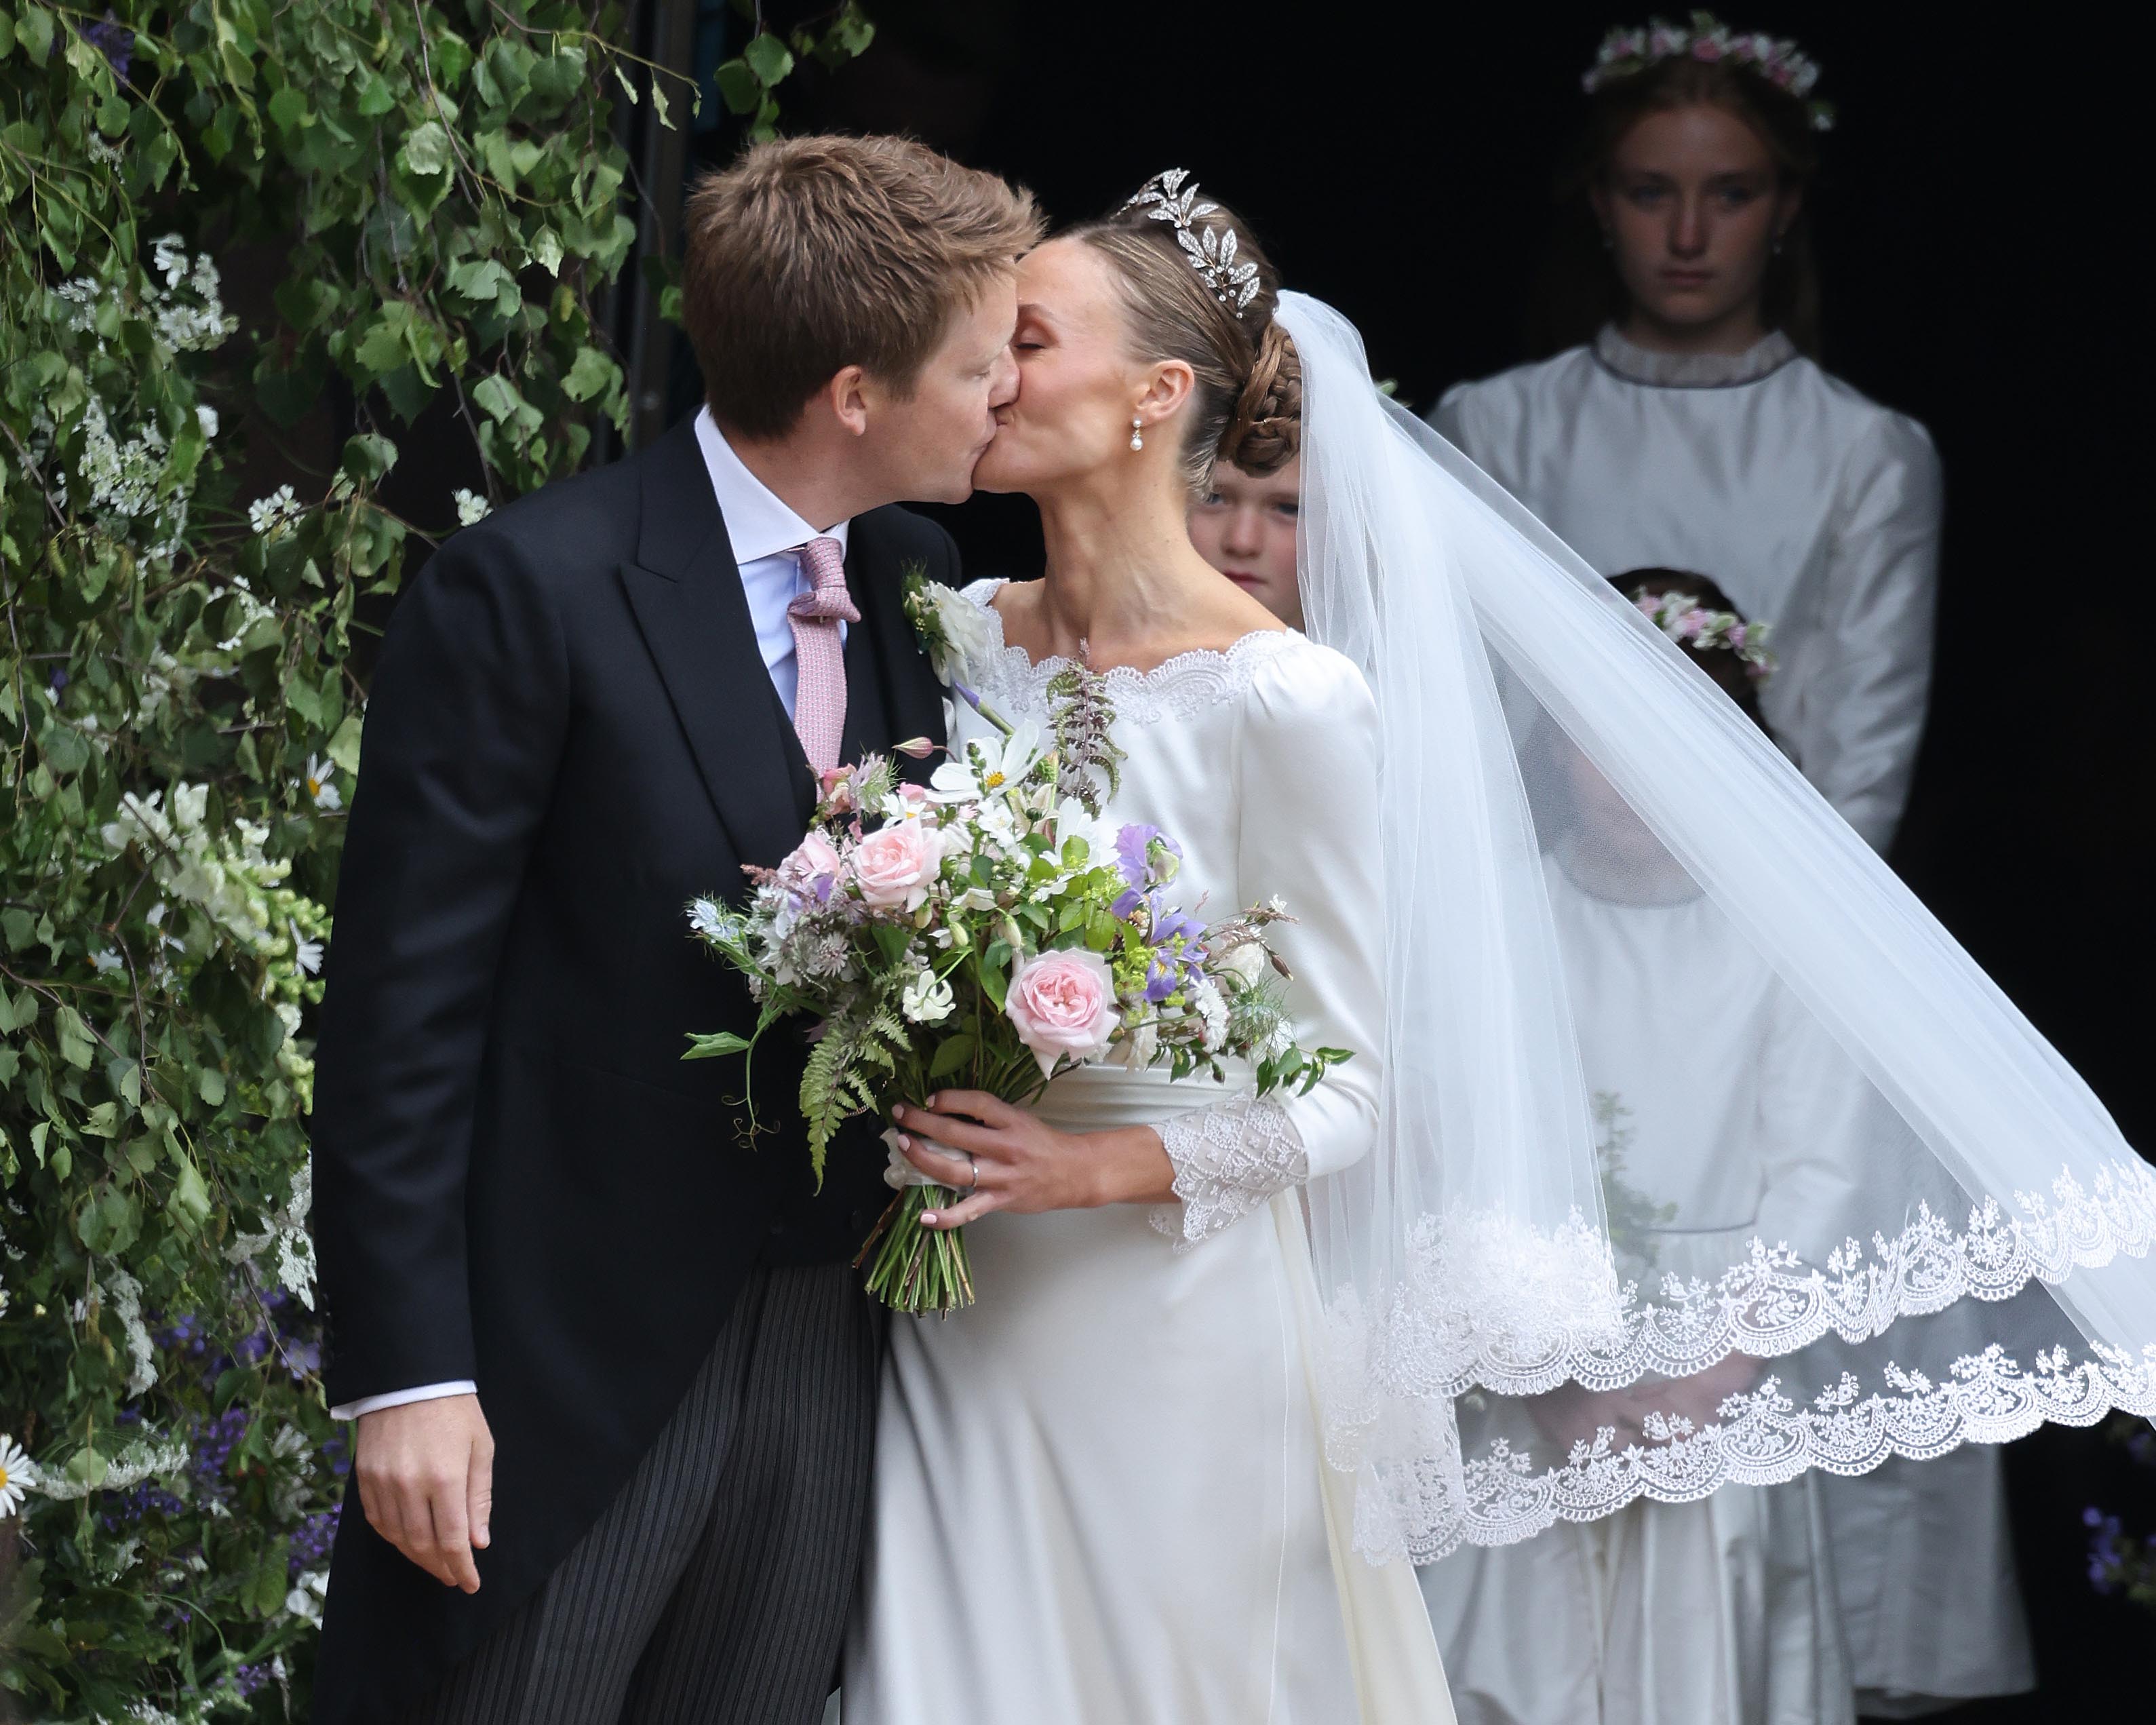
x=849, y=396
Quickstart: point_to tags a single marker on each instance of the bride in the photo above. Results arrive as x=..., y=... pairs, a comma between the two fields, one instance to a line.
x=1172, y=1469
x=1101, y=1494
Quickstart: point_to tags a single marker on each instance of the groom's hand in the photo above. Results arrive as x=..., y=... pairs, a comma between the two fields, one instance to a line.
x=426, y=1480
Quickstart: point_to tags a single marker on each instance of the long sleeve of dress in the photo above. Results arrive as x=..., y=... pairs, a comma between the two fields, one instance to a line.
x=1864, y=712
x=1305, y=780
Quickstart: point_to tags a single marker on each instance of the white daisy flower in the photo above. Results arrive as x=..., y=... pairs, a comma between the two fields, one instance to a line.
x=992, y=764
x=18, y=1475
x=326, y=796
x=1073, y=821
x=306, y=953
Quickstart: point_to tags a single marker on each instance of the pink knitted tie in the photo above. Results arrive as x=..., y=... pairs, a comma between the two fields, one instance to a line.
x=819, y=701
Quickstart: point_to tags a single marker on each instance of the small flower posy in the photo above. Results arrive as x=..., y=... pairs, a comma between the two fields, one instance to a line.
x=1627, y=51
x=1689, y=623
x=1212, y=251
x=988, y=931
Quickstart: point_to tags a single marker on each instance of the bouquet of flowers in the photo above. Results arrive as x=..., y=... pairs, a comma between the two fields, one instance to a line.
x=989, y=930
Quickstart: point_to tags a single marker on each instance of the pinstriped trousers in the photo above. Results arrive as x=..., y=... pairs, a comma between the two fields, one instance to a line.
x=715, y=1588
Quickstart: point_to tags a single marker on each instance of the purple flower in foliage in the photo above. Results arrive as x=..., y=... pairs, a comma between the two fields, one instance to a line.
x=2104, y=1559
x=312, y=1542
x=114, y=40
x=214, y=1442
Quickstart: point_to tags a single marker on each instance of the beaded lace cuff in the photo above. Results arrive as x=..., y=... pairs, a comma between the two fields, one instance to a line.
x=1229, y=1160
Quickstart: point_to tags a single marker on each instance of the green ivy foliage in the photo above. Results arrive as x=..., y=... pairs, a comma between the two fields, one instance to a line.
x=179, y=728
x=748, y=83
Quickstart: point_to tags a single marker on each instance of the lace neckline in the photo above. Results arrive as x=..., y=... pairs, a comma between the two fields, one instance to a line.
x=1635, y=364
x=1177, y=687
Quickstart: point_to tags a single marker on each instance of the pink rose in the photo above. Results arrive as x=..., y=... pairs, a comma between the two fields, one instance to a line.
x=811, y=858
x=1061, y=1003
x=894, y=865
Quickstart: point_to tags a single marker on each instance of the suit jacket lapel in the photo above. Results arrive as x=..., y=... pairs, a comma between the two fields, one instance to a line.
x=687, y=592
x=884, y=647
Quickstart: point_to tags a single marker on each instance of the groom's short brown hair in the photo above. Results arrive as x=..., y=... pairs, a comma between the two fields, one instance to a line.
x=810, y=255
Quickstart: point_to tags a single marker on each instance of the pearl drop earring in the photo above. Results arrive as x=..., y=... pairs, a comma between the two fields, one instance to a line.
x=1137, y=432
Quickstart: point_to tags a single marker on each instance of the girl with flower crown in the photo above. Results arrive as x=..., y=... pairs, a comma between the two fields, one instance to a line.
x=1694, y=430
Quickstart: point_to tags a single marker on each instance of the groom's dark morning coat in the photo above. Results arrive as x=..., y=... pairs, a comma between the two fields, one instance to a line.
x=518, y=1180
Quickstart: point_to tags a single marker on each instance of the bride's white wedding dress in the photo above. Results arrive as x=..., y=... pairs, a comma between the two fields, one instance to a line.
x=1100, y=1495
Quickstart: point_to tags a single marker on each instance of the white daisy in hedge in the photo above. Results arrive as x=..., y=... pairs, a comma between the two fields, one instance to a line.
x=320, y=787
x=306, y=953
x=18, y=1473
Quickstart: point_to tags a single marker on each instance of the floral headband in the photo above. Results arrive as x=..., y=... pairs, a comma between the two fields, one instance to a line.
x=1689, y=623
x=1626, y=53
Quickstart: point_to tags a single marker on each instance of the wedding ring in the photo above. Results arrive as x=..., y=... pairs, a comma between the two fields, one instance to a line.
x=975, y=1166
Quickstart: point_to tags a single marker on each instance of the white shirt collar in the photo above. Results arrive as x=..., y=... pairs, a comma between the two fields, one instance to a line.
x=758, y=524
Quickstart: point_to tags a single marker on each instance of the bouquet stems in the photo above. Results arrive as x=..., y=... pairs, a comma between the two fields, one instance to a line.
x=920, y=1271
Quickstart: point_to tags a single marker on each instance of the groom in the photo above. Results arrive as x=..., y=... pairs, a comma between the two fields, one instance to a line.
x=614, y=1378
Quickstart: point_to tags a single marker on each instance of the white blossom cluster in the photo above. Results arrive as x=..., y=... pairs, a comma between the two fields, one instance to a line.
x=287, y=1233
x=181, y=327
x=273, y=515
x=122, y=477
x=146, y=1458
x=128, y=474
x=241, y=890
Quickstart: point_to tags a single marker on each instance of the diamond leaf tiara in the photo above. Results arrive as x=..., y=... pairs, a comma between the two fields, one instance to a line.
x=1212, y=251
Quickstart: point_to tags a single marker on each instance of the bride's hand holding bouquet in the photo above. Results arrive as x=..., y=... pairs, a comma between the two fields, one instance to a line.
x=968, y=940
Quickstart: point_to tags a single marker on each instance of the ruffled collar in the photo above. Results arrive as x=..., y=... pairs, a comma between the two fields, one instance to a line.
x=1636, y=364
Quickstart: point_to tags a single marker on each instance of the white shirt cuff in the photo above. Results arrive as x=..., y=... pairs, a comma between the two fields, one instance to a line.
x=397, y=1397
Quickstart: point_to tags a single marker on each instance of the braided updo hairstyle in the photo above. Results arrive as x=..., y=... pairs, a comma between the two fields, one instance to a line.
x=1247, y=406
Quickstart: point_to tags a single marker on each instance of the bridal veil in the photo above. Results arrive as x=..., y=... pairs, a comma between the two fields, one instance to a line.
x=1929, y=1233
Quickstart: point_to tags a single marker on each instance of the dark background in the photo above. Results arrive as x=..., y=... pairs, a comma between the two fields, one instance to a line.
x=1981, y=231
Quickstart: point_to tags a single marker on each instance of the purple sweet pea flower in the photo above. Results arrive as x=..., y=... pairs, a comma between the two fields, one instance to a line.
x=1134, y=851
x=1130, y=845
x=1175, y=926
